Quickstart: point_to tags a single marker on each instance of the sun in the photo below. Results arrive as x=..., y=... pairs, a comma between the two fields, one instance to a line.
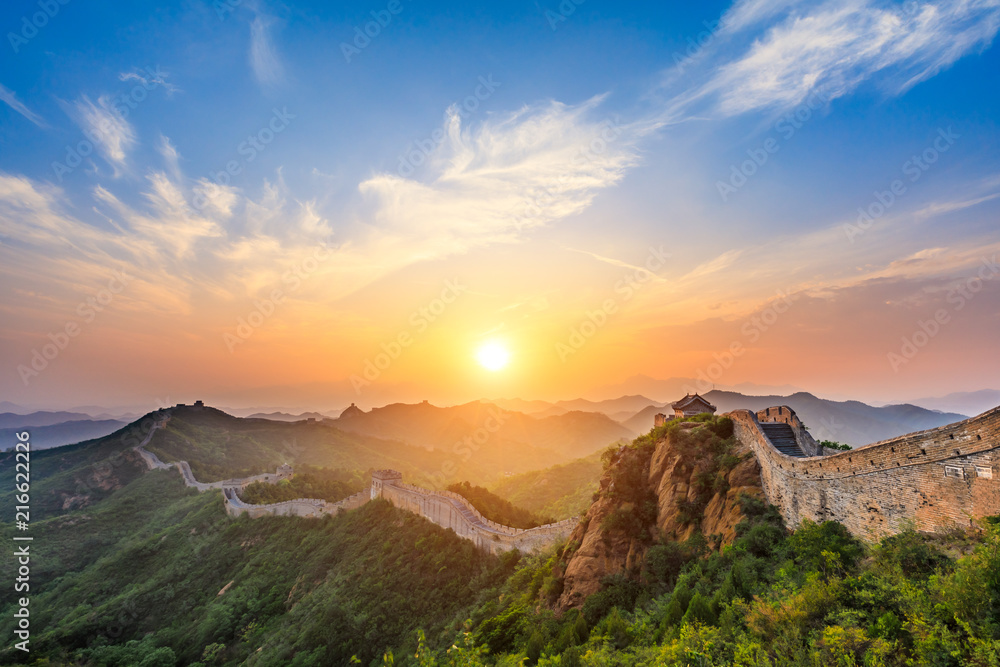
x=492, y=356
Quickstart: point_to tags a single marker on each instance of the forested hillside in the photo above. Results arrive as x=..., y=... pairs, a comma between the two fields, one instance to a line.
x=157, y=574
x=768, y=597
x=132, y=568
x=561, y=491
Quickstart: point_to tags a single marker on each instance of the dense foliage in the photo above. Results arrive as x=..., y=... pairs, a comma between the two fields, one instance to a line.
x=143, y=571
x=158, y=575
x=497, y=509
x=307, y=482
x=817, y=596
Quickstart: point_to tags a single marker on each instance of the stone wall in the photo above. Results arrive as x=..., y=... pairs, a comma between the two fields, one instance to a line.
x=444, y=508
x=785, y=415
x=934, y=480
x=451, y=510
x=307, y=507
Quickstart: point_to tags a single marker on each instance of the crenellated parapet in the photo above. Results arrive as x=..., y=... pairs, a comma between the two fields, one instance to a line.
x=445, y=508
x=935, y=480
x=451, y=510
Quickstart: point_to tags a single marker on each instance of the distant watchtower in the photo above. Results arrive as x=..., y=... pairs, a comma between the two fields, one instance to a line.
x=383, y=478
x=692, y=405
x=352, y=411
x=688, y=406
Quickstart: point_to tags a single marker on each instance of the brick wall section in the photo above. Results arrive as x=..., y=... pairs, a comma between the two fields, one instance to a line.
x=785, y=415
x=450, y=510
x=934, y=480
x=445, y=508
x=307, y=507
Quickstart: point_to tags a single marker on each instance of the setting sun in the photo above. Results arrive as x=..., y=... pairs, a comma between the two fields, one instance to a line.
x=493, y=356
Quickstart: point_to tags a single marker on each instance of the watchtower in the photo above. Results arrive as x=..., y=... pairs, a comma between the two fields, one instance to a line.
x=382, y=478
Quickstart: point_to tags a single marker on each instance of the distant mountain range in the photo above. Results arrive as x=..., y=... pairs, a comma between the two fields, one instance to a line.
x=548, y=433
x=54, y=429
x=851, y=422
x=287, y=417
x=613, y=407
x=510, y=439
x=971, y=403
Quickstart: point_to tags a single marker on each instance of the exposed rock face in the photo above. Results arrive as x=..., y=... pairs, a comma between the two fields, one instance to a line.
x=600, y=553
x=672, y=477
x=97, y=481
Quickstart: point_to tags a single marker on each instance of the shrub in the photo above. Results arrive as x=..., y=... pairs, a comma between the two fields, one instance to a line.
x=501, y=632
x=699, y=611
x=833, y=444
x=534, y=649
x=915, y=556
x=820, y=546
x=570, y=657
x=615, y=630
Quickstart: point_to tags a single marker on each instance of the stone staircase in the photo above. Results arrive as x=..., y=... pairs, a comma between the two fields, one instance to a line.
x=783, y=439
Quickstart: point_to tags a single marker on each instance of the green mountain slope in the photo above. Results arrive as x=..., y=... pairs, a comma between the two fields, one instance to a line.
x=561, y=491
x=162, y=566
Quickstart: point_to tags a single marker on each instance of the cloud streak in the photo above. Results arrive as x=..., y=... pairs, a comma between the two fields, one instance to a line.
x=267, y=67
x=8, y=97
x=110, y=132
x=497, y=180
x=831, y=48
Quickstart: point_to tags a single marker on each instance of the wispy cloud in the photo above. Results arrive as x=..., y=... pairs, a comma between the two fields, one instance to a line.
x=614, y=262
x=110, y=132
x=832, y=47
x=170, y=155
x=509, y=174
x=8, y=97
x=150, y=78
x=264, y=58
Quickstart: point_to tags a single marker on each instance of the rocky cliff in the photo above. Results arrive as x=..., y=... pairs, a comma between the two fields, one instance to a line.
x=681, y=480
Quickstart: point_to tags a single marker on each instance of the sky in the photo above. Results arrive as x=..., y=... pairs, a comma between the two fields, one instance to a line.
x=320, y=203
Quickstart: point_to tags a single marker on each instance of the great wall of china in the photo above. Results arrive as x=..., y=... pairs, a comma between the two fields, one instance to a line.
x=934, y=481
x=446, y=509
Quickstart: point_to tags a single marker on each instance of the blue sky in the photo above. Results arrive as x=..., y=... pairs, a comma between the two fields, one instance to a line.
x=875, y=83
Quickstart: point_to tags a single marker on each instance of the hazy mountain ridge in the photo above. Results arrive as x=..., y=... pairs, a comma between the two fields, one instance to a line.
x=971, y=402
x=851, y=422
x=566, y=436
x=287, y=417
x=63, y=433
